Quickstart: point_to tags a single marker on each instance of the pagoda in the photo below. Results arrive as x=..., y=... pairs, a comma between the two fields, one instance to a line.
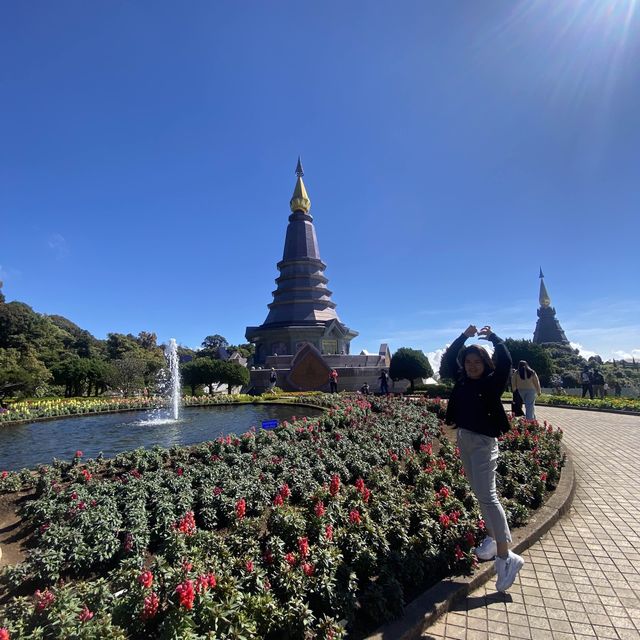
x=548, y=329
x=302, y=311
x=302, y=338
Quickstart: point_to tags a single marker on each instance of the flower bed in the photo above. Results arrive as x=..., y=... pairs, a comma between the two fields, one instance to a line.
x=324, y=525
x=610, y=403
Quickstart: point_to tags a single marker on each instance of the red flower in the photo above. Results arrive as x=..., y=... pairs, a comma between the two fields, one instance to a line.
x=187, y=524
x=217, y=491
x=241, y=508
x=146, y=579
x=444, y=493
x=328, y=532
x=213, y=581
x=459, y=553
x=205, y=581
x=180, y=471
x=86, y=475
x=303, y=546
x=186, y=594
x=4, y=475
x=79, y=454
x=426, y=448
x=481, y=524
x=354, y=517
x=150, y=606
x=394, y=457
x=285, y=492
x=334, y=487
x=319, y=509
x=4, y=633
x=291, y=559
x=85, y=615
x=187, y=566
x=454, y=515
x=43, y=599
x=249, y=566
x=360, y=485
x=278, y=501
x=470, y=538
x=444, y=520
x=308, y=569
x=543, y=477
x=366, y=494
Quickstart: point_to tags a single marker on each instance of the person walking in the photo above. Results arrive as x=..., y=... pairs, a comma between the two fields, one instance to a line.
x=475, y=408
x=273, y=379
x=525, y=381
x=333, y=381
x=598, y=384
x=384, y=382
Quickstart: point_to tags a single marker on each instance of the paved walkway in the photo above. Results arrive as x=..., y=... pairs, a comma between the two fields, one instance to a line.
x=581, y=579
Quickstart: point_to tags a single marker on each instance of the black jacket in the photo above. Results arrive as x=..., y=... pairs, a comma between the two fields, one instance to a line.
x=476, y=404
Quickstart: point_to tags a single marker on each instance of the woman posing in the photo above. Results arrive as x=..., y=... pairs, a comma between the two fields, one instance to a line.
x=525, y=380
x=476, y=409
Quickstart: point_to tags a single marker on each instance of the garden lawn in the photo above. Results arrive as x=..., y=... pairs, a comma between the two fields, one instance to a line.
x=324, y=527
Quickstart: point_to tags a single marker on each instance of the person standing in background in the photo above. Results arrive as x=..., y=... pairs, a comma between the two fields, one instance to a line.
x=586, y=382
x=525, y=380
x=333, y=381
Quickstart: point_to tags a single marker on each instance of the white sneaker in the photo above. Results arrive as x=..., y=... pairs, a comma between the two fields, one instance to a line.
x=487, y=549
x=507, y=570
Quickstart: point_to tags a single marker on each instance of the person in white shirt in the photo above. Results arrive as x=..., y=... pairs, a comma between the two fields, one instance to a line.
x=525, y=380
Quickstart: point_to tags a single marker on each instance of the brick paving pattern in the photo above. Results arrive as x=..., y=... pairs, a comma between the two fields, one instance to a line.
x=582, y=579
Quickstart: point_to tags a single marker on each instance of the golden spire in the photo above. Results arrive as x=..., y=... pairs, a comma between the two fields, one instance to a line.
x=545, y=300
x=300, y=200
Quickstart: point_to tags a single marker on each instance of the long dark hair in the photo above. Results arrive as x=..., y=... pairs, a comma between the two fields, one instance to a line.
x=482, y=353
x=524, y=370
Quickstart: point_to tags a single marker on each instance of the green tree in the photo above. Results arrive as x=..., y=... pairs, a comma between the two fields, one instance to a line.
x=72, y=374
x=191, y=374
x=121, y=346
x=147, y=340
x=211, y=346
x=76, y=339
x=21, y=371
x=127, y=374
x=409, y=364
x=233, y=375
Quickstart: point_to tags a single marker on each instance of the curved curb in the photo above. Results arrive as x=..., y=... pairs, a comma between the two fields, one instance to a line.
x=438, y=600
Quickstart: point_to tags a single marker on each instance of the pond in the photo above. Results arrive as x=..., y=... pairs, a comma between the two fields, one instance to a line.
x=27, y=445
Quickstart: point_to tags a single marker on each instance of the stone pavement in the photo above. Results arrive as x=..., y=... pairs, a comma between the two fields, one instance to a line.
x=581, y=579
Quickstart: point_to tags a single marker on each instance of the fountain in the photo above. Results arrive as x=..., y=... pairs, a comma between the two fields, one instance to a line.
x=168, y=386
x=173, y=363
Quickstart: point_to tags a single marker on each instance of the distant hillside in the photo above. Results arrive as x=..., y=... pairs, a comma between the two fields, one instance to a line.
x=51, y=355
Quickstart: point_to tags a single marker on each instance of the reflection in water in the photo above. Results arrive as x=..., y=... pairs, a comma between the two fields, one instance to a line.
x=27, y=445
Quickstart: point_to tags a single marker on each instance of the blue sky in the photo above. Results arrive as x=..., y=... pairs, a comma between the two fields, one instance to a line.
x=148, y=150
